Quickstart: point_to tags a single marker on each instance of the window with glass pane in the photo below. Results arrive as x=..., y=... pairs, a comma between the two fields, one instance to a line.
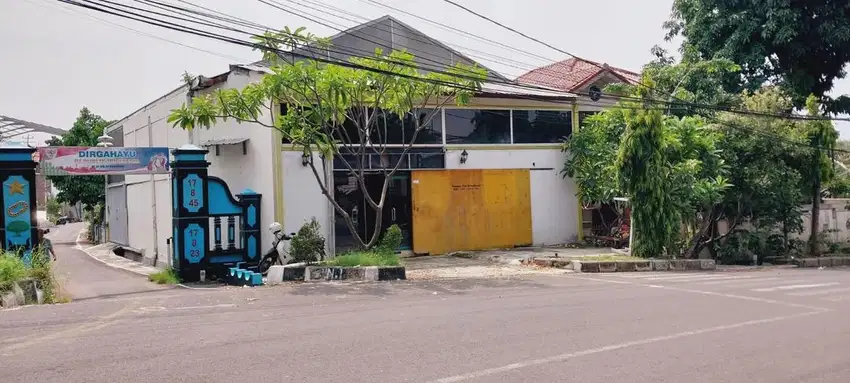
x=541, y=126
x=478, y=126
x=390, y=129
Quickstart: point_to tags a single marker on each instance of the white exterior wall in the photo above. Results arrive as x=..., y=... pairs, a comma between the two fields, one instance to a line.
x=140, y=201
x=302, y=196
x=253, y=170
x=554, y=206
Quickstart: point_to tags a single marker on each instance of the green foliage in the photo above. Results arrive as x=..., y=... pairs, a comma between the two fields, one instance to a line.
x=53, y=208
x=839, y=185
x=365, y=258
x=391, y=240
x=12, y=269
x=85, y=189
x=802, y=45
x=337, y=109
x=642, y=174
x=308, y=245
x=42, y=271
x=165, y=277
x=592, y=153
x=668, y=166
x=689, y=85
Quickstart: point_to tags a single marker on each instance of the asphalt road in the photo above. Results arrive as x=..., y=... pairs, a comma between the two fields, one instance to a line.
x=776, y=326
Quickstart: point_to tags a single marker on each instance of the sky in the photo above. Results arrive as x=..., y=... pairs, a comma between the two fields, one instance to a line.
x=57, y=58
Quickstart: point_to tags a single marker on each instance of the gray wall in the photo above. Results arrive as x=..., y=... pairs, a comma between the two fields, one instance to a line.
x=389, y=35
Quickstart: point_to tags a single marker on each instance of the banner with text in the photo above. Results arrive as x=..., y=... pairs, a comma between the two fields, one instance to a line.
x=87, y=161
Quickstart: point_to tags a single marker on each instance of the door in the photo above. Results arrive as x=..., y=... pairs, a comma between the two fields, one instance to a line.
x=116, y=202
x=477, y=209
x=398, y=208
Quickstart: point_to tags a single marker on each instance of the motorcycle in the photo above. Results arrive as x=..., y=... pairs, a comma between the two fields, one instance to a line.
x=277, y=254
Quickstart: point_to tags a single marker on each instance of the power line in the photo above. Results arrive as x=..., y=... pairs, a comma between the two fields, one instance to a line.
x=591, y=62
x=469, y=34
x=102, y=20
x=240, y=42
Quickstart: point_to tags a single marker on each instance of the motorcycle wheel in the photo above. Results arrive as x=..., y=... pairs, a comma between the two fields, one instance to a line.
x=266, y=263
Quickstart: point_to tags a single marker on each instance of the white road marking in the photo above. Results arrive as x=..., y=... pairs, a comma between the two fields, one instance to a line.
x=687, y=277
x=613, y=347
x=740, y=279
x=711, y=293
x=794, y=287
x=205, y=307
x=640, y=275
x=819, y=292
x=763, y=281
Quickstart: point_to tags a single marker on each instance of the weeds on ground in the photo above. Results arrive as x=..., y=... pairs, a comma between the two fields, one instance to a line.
x=364, y=258
x=165, y=277
x=12, y=270
x=382, y=255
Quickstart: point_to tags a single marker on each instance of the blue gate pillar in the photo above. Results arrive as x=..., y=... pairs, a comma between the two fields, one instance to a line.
x=190, y=211
x=251, y=234
x=18, y=223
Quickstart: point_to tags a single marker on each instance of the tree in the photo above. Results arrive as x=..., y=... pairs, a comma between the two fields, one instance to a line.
x=347, y=111
x=674, y=166
x=766, y=156
x=801, y=45
x=85, y=189
x=822, y=137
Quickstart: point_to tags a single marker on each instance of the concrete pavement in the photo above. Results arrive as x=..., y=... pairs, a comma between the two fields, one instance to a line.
x=85, y=278
x=590, y=328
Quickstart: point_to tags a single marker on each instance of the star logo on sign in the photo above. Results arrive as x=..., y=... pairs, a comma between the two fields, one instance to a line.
x=16, y=188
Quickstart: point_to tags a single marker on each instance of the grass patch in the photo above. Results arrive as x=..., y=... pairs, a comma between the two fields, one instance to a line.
x=365, y=258
x=165, y=277
x=607, y=258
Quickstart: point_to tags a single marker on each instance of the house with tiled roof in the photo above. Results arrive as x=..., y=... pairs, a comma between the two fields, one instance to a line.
x=575, y=75
x=580, y=77
x=586, y=79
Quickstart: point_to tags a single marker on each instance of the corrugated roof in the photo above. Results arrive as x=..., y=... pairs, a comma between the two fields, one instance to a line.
x=224, y=141
x=522, y=90
x=571, y=74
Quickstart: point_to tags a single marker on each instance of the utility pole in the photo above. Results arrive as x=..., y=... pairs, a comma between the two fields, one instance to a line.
x=153, y=198
x=105, y=141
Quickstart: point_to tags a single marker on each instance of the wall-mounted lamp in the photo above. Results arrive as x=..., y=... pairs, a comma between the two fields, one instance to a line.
x=463, y=156
x=305, y=159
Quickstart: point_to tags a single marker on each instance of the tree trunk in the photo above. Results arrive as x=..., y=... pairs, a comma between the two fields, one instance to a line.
x=814, y=242
x=700, y=232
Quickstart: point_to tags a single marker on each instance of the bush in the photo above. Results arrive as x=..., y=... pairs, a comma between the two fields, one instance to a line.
x=391, y=240
x=12, y=269
x=365, y=258
x=308, y=245
x=165, y=277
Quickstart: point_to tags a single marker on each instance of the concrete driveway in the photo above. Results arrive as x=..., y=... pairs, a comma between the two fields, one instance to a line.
x=85, y=278
x=778, y=326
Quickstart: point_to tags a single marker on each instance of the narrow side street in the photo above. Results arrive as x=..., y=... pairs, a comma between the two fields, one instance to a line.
x=85, y=278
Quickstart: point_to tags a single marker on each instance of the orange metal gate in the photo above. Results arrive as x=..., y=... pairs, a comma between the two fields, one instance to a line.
x=478, y=209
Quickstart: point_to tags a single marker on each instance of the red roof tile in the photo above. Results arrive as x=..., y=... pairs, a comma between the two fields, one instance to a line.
x=572, y=74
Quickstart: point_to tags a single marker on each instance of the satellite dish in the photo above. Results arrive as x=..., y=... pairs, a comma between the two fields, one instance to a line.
x=594, y=92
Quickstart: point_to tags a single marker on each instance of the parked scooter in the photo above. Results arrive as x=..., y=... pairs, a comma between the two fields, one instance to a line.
x=277, y=254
